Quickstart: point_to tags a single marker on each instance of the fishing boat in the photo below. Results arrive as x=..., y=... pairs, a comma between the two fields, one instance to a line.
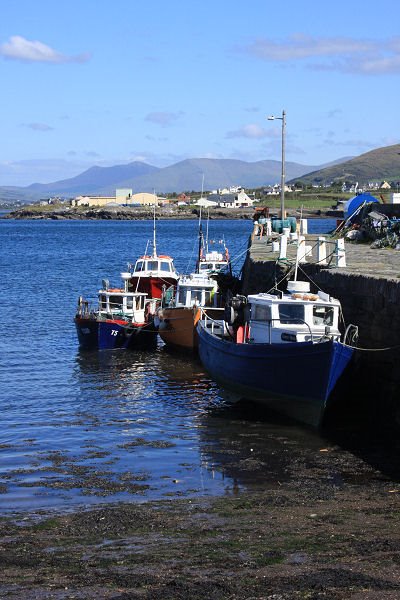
x=180, y=310
x=122, y=319
x=285, y=351
x=153, y=273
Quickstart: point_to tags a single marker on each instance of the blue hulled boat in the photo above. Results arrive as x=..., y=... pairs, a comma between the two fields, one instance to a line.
x=282, y=351
x=122, y=319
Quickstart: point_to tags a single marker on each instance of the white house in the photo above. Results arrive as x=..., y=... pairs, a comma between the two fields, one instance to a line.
x=232, y=200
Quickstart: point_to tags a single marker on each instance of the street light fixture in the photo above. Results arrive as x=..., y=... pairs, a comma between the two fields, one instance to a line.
x=283, y=119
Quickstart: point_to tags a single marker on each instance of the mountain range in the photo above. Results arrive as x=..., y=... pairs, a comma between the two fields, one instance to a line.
x=187, y=175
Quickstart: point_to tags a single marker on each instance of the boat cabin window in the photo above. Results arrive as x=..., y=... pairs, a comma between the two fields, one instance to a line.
x=291, y=313
x=208, y=298
x=195, y=296
x=323, y=315
x=152, y=265
x=260, y=312
x=206, y=266
x=139, y=266
x=182, y=296
x=165, y=266
x=129, y=302
x=116, y=302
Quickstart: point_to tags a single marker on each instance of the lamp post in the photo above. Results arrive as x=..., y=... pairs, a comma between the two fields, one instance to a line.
x=283, y=119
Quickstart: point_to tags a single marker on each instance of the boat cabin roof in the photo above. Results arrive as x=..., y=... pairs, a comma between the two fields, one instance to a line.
x=120, y=292
x=197, y=281
x=155, y=263
x=298, y=298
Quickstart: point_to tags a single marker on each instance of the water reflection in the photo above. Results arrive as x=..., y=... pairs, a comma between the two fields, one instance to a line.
x=146, y=425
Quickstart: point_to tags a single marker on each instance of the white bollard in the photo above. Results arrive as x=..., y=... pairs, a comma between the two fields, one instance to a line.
x=321, y=251
x=268, y=227
x=340, y=253
x=301, y=249
x=303, y=226
x=282, y=247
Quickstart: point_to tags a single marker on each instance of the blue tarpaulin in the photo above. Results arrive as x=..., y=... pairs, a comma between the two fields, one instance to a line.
x=351, y=205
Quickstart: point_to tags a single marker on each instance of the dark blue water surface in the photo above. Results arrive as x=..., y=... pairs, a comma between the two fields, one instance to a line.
x=81, y=428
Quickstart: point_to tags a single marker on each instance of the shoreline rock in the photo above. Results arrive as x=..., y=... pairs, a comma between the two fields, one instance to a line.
x=145, y=213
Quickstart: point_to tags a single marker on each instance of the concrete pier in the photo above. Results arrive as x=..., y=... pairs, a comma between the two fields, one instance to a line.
x=368, y=288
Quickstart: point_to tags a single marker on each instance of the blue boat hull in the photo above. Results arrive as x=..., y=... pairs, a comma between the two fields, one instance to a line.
x=112, y=335
x=295, y=379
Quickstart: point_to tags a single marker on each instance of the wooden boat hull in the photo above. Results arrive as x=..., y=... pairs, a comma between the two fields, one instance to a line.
x=177, y=326
x=111, y=334
x=295, y=379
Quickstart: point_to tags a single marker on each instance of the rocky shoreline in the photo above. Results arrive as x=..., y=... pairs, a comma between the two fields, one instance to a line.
x=316, y=536
x=122, y=213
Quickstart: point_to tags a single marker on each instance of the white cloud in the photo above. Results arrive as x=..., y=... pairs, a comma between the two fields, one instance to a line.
x=251, y=131
x=347, y=55
x=301, y=46
x=38, y=126
x=19, y=48
x=163, y=118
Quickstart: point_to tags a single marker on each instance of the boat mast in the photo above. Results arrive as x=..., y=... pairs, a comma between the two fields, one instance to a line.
x=200, y=230
x=154, y=227
x=199, y=249
x=208, y=219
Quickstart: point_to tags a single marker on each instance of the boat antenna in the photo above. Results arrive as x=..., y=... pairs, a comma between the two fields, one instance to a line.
x=208, y=218
x=201, y=242
x=140, y=274
x=154, y=226
x=201, y=198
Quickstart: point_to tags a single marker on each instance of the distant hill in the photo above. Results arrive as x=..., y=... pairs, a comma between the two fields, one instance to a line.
x=94, y=179
x=183, y=176
x=187, y=175
x=376, y=165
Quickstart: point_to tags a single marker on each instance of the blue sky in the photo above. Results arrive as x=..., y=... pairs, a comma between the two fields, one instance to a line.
x=88, y=82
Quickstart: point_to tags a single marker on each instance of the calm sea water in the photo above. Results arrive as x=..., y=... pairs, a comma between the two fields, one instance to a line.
x=82, y=428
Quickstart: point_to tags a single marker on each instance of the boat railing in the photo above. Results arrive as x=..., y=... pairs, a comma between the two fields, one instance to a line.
x=212, y=324
x=116, y=309
x=84, y=309
x=350, y=336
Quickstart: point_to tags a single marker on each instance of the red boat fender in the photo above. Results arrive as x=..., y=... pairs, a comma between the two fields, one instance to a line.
x=242, y=334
